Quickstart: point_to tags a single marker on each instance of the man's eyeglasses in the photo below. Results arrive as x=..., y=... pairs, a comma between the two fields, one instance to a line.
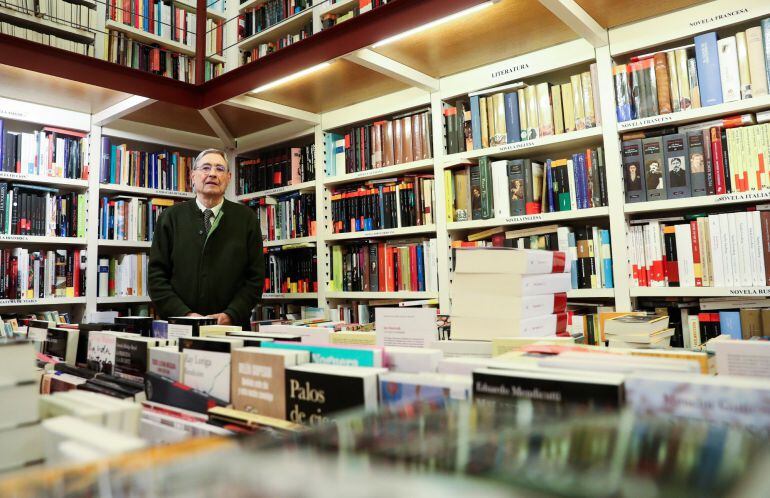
x=206, y=168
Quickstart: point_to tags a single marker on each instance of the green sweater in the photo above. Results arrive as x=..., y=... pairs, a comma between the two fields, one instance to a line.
x=189, y=272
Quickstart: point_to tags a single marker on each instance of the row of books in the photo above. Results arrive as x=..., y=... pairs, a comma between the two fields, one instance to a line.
x=518, y=112
x=263, y=49
x=393, y=266
x=722, y=70
x=130, y=218
x=276, y=168
x=499, y=189
x=159, y=170
x=58, y=11
x=699, y=160
x=286, y=217
x=46, y=39
x=399, y=140
x=52, y=152
x=329, y=19
x=123, y=50
x=718, y=250
x=291, y=270
x=215, y=35
x=38, y=274
x=380, y=204
x=41, y=211
x=213, y=69
x=265, y=14
x=122, y=275
x=163, y=19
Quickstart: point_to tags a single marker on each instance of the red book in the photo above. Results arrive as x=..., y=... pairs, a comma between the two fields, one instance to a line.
x=361, y=149
x=716, y=159
x=415, y=283
x=589, y=184
x=696, y=257
x=76, y=274
x=137, y=20
x=381, y=267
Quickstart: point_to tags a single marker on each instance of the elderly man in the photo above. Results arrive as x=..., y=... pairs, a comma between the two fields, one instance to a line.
x=206, y=256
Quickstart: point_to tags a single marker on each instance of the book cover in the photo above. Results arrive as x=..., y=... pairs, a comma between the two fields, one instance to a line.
x=692, y=73
x=558, y=110
x=623, y=97
x=163, y=390
x=533, y=118
x=577, y=102
x=512, y=123
x=697, y=163
x=101, y=351
x=707, y=60
x=523, y=122
x=485, y=186
x=544, y=110
x=208, y=372
x=516, y=186
x=166, y=361
x=728, y=69
x=588, y=99
x=500, y=136
x=744, y=73
x=654, y=168
x=330, y=355
x=476, y=122
x=568, y=107
x=685, y=101
x=757, y=62
x=664, y=84
x=132, y=357
x=678, y=174
x=462, y=190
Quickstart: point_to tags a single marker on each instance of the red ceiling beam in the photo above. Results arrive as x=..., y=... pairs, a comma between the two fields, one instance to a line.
x=366, y=29
x=390, y=19
x=65, y=64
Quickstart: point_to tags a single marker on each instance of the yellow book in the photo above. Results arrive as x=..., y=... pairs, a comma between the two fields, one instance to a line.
x=743, y=65
x=218, y=330
x=567, y=107
x=544, y=110
x=484, y=122
x=588, y=99
x=523, y=113
x=360, y=338
x=501, y=132
x=491, y=120
x=449, y=195
x=533, y=119
x=577, y=102
x=506, y=345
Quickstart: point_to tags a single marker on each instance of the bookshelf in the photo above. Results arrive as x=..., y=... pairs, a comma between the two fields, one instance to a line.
x=51, y=301
x=27, y=240
x=123, y=300
x=71, y=31
x=378, y=96
x=272, y=296
x=290, y=25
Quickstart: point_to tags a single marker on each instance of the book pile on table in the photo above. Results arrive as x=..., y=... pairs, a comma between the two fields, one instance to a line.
x=504, y=292
x=638, y=331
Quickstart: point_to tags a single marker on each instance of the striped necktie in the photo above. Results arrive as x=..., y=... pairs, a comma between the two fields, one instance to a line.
x=207, y=215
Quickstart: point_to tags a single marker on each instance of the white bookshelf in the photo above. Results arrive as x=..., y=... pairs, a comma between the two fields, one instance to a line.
x=382, y=295
x=591, y=294
x=127, y=244
x=49, y=301
x=37, y=239
x=277, y=191
x=290, y=242
x=117, y=188
x=386, y=232
x=706, y=201
x=123, y=300
x=70, y=31
x=340, y=7
x=699, y=291
x=375, y=173
x=530, y=219
x=48, y=181
x=288, y=296
x=192, y=5
x=150, y=38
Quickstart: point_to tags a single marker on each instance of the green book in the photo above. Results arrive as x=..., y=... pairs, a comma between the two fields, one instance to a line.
x=485, y=171
x=82, y=199
x=336, y=283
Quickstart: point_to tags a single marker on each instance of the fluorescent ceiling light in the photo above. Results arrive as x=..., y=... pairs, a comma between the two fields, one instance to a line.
x=433, y=24
x=298, y=74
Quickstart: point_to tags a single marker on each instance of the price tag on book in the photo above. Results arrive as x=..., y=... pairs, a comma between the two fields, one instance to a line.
x=405, y=327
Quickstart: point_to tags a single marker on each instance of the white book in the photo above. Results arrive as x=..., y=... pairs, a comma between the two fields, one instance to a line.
x=740, y=234
x=756, y=61
x=728, y=254
x=597, y=282
x=433, y=263
x=759, y=257
x=571, y=178
x=743, y=358
x=728, y=69
x=502, y=207
x=684, y=256
x=715, y=245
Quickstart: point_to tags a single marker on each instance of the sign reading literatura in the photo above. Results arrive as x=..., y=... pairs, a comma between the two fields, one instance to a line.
x=716, y=18
x=743, y=196
x=510, y=71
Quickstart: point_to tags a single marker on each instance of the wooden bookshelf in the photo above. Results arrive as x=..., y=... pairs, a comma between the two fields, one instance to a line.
x=150, y=192
x=374, y=173
x=36, y=239
x=706, y=201
x=697, y=115
x=49, y=301
x=551, y=144
x=123, y=300
x=384, y=233
x=44, y=25
x=290, y=25
x=289, y=242
x=49, y=181
x=277, y=191
x=531, y=219
x=127, y=244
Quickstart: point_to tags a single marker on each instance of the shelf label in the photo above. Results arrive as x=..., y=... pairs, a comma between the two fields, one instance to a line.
x=19, y=238
x=526, y=218
x=517, y=145
x=509, y=72
x=172, y=192
x=368, y=172
x=758, y=291
x=653, y=120
x=698, y=23
x=384, y=233
x=274, y=296
x=743, y=196
x=12, y=114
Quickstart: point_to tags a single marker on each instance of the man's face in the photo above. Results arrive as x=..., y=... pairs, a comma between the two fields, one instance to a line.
x=676, y=164
x=211, y=176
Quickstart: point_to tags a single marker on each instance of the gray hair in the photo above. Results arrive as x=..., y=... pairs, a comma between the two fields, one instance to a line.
x=221, y=153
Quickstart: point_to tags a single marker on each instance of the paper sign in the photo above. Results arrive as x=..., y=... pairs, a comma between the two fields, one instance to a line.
x=405, y=327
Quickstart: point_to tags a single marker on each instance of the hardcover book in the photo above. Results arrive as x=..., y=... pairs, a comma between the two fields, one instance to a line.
x=677, y=171
x=707, y=60
x=632, y=171
x=728, y=69
x=516, y=186
x=654, y=169
x=187, y=326
x=355, y=356
x=697, y=162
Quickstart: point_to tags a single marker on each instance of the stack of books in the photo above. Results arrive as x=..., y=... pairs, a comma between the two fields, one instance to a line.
x=638, y=331
x=502, y=292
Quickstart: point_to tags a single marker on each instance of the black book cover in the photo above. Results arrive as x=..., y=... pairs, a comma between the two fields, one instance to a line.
x=204, y=344
x=373, y=269
x=632, y=171
x=708, y=163
x=136, y=324
x=676, y=159
x=475, y=182
x=312, y=396
x=161, y=389
x=513, y=385
x=55, y=344
x=131, y=358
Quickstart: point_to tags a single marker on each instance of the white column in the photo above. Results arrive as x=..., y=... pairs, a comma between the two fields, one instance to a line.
x=92, y=228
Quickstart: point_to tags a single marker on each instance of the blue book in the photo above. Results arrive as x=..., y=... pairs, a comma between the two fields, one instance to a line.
x=573, y=260
x=160, y=329
x=549, y=183
x=113, y=158
x=420, y=270
x=577, y=173
x=2, y=157
x=583, y=180
x=329, y=148
x=334, y=355
x=393, y=393
x=476, y=122
x=707, y=61
x=382, y=206
x=730, y=323
x=146, y=18
x=604, y=237
x=765, y=24
x=512, y=124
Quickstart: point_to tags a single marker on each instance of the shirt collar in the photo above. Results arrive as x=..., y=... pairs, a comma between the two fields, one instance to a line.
x=214, y=209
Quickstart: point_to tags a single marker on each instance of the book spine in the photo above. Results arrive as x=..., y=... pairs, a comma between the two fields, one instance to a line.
x=707, y=61
x=512, y=124
x=485, y=178
x=664, y=84
x=476, y=122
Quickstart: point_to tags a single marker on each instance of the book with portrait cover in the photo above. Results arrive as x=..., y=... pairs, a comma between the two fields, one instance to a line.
x=316, y=391
x=632, y=171
x=677, y=171
x=697, y=163
x=654, y=168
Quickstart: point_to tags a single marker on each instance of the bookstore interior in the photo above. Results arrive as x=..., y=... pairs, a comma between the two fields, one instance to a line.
x=398, y=248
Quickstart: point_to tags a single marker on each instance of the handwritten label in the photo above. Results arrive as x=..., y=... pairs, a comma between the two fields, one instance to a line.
x=757, y=291
x=725, y=15
x=743, y=196
x=638, y=123
x=527, y=218
x=510, y=71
